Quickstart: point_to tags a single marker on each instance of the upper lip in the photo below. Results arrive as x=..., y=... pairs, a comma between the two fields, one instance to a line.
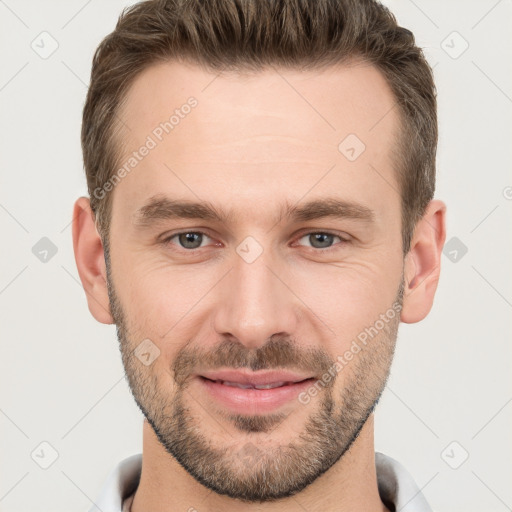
x=259, y=378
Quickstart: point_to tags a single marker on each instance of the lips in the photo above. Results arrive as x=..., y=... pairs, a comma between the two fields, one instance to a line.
x=253, y=392
x=257, y=380
x=270, y=385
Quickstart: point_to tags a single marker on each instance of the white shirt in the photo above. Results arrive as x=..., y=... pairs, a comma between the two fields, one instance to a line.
x=396, y=486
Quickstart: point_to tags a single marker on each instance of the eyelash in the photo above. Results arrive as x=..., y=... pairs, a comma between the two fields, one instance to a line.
x=167, y=240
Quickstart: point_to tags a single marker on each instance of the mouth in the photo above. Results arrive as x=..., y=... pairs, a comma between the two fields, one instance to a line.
x=270, y=385
x=253, y=392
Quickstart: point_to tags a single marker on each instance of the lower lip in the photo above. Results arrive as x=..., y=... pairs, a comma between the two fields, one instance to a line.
x=254, y=401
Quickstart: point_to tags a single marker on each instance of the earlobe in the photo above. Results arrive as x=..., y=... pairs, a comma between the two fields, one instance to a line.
x=423, y=263
x=90, y=260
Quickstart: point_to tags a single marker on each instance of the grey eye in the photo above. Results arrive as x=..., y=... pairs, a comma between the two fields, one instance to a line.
x=190, y=240
x=320, y=240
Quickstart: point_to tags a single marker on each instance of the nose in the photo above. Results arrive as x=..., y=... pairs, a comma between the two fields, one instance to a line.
x=255, y=303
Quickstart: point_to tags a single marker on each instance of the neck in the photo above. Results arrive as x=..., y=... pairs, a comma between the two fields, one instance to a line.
x=350, y=484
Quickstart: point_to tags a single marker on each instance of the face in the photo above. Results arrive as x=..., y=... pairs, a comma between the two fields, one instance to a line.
x=255, y=269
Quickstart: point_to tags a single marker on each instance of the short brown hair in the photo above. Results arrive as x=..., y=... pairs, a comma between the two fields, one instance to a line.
x=241, y=35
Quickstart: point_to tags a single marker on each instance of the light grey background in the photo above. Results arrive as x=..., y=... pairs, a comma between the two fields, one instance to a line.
x=61, y=373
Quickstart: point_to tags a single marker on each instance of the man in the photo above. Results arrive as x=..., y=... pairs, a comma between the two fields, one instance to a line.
x=261, y=218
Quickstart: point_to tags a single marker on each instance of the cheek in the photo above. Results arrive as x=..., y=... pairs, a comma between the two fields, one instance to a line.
x=164, y=303
x=347, y=297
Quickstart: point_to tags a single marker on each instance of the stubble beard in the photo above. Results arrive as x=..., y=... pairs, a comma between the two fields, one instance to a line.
x=249, y=467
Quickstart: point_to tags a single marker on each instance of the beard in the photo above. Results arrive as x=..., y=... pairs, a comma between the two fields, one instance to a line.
x=247, y=467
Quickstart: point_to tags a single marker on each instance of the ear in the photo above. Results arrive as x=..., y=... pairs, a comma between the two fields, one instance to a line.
x=90, y=260
x=423, y=263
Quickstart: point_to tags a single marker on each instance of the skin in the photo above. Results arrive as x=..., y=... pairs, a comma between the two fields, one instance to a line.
x=252, y=144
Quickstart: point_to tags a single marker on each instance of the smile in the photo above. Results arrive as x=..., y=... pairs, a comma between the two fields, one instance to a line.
x=253, y=392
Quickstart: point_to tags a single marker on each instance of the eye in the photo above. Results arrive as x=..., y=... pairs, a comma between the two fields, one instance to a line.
x=187, y=239
x=322, y=239
x=191, y=240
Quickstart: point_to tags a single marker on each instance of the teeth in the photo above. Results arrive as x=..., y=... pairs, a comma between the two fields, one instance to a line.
x=270, y=386
x=235, y=384
x=250, y=386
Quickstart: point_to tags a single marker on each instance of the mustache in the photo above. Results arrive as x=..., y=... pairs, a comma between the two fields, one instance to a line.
x=277, y=353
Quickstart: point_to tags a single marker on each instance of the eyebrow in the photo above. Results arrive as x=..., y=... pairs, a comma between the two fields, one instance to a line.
x=160, y=208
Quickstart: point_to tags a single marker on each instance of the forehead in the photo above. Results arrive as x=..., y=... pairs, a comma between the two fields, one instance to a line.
x=259, y=135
